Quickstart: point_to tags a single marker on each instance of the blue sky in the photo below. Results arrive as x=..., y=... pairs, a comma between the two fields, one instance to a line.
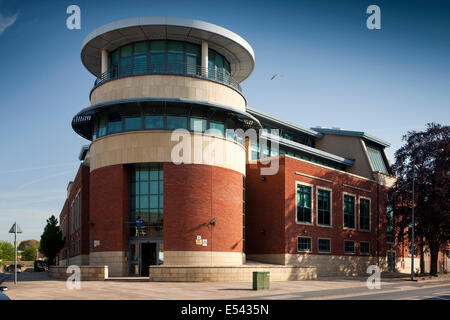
x=333, y=72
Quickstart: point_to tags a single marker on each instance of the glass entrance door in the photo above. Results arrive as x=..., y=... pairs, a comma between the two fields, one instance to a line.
x=143, y=254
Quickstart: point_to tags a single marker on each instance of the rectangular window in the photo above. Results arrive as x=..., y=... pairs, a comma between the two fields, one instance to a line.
x=101, y=127
x=364, y=247
x=175, y=63
x=364, y=214
x=132, y=123
x=324, y=245
x=140, y=64
x=304, y=204
x=154, y=122
x=218, y=128
x=140, y=47
x=349, y=246
x=114, y=124
x=304, y=244
x=191, y=64
x=377, y=159
x=198, y=124
x=323, y=207
x=349, y=211
x=176, y=122
x=157, y=63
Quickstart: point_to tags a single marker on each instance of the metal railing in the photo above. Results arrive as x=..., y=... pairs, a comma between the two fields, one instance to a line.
x=220, y=75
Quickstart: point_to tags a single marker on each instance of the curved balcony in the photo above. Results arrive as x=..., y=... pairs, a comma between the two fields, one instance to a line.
x=219, y=75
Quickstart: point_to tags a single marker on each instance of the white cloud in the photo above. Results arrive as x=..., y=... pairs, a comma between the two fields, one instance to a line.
x=7, y=21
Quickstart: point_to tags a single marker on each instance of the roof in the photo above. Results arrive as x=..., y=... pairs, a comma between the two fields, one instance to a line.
x=314, y=151
x=83, y=152
x=360, y=134
x=116, y=34
x=262, y=115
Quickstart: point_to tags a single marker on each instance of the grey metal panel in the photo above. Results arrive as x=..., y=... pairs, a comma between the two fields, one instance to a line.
x=360, y=134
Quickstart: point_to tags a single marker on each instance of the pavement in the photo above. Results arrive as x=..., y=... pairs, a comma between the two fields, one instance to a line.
x=38, y=286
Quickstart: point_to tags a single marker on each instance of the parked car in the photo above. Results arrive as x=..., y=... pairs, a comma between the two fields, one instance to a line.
x=10, y=268
x=40, y=266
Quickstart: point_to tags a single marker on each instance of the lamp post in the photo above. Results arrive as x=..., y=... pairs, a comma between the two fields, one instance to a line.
x=15, y=229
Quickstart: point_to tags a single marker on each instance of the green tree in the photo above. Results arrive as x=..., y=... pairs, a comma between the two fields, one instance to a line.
x=29, y=254
x=51, y=240
x=6, y=251
x=27, y=243
x=426, y=156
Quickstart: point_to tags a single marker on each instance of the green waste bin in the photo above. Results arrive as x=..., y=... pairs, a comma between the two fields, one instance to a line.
x=261, y=280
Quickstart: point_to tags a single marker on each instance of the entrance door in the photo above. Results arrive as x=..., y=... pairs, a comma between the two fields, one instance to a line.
x=148, y=257
x=391, y=261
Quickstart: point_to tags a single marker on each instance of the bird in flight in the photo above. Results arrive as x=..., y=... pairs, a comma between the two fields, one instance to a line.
x=274, y=76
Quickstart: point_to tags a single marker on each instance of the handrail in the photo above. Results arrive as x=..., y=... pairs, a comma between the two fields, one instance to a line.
x=220, y=75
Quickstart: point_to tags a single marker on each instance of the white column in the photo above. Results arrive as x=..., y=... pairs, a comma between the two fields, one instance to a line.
x=205, y=57
x=104, y=61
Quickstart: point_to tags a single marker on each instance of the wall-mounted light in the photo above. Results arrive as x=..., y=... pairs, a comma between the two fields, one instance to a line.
x=212, y=222
x=263, y=178
x=304, y=231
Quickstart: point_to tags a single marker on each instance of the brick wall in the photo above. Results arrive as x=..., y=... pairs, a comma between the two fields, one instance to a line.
x=195, y=194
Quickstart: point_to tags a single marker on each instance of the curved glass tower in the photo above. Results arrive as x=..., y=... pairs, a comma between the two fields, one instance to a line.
x=155, y=75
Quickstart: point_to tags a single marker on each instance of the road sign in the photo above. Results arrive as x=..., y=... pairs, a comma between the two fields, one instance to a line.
x=15, y=228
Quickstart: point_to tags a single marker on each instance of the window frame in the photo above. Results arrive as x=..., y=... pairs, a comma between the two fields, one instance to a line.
x=311, y=186
x=359, y=213
x=318, y=245
x=317, y=207
x=310, y=242
x=354, y=210
x=354, y=250
x=364, y=253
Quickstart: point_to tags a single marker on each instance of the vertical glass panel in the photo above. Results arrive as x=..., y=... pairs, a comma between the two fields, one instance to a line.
x=143, y=187
x=157, y=63
x=154, y=122
x=198, y=124
x=125, y=51
x=158, y=46
x=219, y=128
x=114, y=124
x=132, y=123
x=191, y=64
x=144, y=175
x=175, y=47
x=102, y=127
x=154, y=187
x=125, y=66
x=140, y=64
x=144, y=202
x=154, y=174
x=153, y=202
x=193, y=49
x=140, y=47
x=176, y=122
x=175, y=63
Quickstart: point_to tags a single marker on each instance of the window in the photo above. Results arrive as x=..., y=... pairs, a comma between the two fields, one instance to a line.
x=364, y=247
x=376, y=158
x=349, y=246
x=349, y=211
x=324, y=245
x=390, y=231
x=364, y=214
x=198, y=124
x=323, y=207
x=154, y=122
x=132, y=123
x=304, y=204
x=114, y=124
x=125, y=60
x=304, y=244
x=102, y=127
x=146, y=195
x=176, y=122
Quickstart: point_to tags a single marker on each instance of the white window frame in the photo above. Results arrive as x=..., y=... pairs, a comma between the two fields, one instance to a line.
x=354, y=250
x=312, y=203
x=317, y=206
x=355, y=209
x=318, y=247
x=305, y=251
x=362, y=253
x=359, y=214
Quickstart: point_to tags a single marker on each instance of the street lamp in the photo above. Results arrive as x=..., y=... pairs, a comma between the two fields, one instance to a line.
x=15, y=229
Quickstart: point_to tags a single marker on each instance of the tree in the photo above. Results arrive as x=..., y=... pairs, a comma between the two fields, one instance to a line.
x=425, y=155
x=51, y=240
x=29, y=254
x=6, y=251
x=27, y=243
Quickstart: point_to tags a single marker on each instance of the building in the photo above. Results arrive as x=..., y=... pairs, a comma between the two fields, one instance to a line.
x=131, y=206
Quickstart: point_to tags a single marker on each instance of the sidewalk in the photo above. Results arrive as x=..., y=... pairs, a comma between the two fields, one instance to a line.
x=32, y=285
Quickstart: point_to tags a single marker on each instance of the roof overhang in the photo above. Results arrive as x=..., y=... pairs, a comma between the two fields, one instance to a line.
x=359, y=134
x=116, y=34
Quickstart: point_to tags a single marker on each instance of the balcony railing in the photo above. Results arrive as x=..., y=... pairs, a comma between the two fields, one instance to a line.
x=220, y=75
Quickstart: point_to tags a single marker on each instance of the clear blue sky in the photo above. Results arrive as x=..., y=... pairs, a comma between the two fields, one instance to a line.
x=333, y=72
